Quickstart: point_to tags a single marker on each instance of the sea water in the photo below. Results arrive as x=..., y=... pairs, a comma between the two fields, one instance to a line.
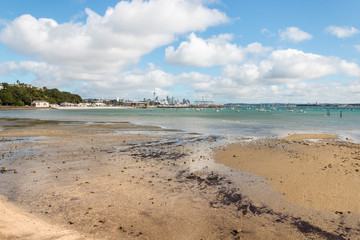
x=231, y=123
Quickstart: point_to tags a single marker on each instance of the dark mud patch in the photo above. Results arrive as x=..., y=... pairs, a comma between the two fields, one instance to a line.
x=242, y=203
x=168, y=149
x=314, y=232
x=232, y=197
x=159, y=155
x=245, y=206
x=209, y=180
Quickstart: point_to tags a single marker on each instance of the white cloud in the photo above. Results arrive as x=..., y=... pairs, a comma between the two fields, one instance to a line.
x=205, y=52
x=282, y=75
x=293, y=65
x=214, y=51
x=258, y=49
x=246, y=74
x=294, y=34
x=104, y=46
x=192, y=77
x=117, y=39
x=298, y=92
x=342, y=32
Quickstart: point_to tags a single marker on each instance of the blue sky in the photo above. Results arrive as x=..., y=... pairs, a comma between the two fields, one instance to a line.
x=229, y=51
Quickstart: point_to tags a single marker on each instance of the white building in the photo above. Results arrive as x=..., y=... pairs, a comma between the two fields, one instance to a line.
x=98, y=104
x=39, y=103
x=67, y=104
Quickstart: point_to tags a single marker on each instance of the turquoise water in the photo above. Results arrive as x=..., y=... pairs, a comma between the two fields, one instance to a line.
x=231, y=123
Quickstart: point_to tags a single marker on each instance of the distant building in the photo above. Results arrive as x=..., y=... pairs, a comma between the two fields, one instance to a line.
x=98, y=104
x=84, y=105
x=67, y=104
x=204, y=102
x=39, y=103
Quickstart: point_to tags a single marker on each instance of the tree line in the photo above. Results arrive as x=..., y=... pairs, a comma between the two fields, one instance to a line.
x=19, y=95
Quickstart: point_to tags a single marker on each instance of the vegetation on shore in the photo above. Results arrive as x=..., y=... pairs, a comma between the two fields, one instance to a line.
x=22, y=94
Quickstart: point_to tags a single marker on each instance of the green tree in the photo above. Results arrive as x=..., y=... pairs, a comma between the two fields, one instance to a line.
x=21, y=95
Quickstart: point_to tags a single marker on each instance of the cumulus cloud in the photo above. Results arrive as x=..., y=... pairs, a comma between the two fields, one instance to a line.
x=294, y=34
x=280, y=76
x=214, y=51
x=291, y=65
x=258, y=49
x=246, y=74
x=104, y=46
x=205, y=52
x=299, y=92
x=342, y=32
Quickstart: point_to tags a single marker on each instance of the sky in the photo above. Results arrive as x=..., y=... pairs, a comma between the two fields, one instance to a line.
x=244, y=51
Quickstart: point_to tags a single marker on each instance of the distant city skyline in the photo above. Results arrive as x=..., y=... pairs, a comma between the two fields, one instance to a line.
x=227, y=51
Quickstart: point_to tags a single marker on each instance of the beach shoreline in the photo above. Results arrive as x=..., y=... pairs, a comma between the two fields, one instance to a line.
x=120, y=180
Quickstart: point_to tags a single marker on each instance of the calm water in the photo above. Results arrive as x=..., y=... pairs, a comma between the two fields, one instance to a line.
x=231, y=123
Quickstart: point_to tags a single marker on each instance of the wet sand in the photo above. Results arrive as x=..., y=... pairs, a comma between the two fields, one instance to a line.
x=121, y=181
x=324, y=174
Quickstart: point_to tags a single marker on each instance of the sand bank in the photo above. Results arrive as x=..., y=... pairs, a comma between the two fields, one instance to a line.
x=121, y=181
x=323, y=175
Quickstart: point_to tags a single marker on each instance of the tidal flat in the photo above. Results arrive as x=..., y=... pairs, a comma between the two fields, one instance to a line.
x=80, y=180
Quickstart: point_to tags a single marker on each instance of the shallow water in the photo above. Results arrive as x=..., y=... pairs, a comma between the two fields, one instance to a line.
x=227, y=122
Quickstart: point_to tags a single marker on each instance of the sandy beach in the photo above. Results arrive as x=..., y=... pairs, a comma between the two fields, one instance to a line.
x=72, y=180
